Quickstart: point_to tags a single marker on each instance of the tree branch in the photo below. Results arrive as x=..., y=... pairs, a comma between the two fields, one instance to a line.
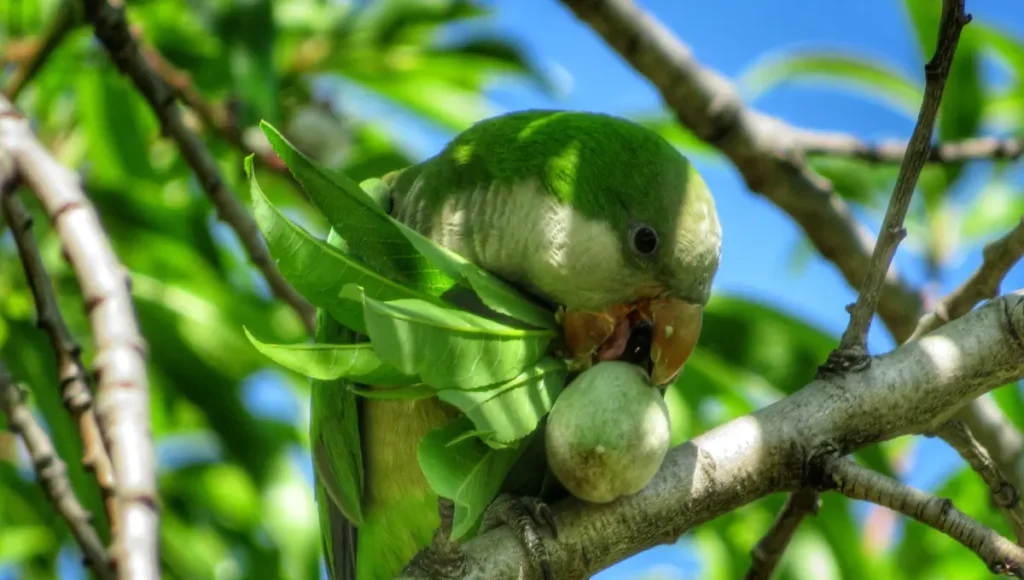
x=959, y=437
x=707, y=104
x=842, y=145
x=856, y=482
x=781, y=447
x=852, y=348
x=998, y=258
x=216, y=116
x=74, y=384
x=997, y=434
x=57, y=30
x=112, y=30
x=122, y=399
x=766, y=554
x=52, y=475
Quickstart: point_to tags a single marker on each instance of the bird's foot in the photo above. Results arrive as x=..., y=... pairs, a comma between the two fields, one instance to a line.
x=525, y=515
x=442, y=559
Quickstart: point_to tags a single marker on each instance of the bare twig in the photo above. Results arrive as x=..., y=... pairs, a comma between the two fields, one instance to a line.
x=959, y=437
x=707, y=104
x=122, y=399
x=852, y=350
x=52, y=475
x=112, y=30
x=998, y=257
x=843, y=145
x=74, y=384
x=57, y=30
x=778, y=448
x=766, y=554
x=856, y=482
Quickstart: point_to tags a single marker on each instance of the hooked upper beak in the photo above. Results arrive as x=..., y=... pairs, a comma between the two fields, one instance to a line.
x=676, y=329
x=674, y=325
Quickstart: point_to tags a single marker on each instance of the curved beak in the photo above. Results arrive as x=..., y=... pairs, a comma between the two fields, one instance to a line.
x=676, y=330
x=605, y=335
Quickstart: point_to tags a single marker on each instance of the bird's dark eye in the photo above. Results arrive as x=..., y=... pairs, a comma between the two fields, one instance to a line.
x=645, y=239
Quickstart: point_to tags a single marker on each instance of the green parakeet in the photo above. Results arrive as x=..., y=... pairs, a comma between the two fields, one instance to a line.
x=588, y=212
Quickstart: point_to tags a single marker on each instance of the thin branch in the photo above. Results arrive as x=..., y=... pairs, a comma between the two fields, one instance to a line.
x=112, y=30
x=766, y=554
x=709, y=106
x=997, y=434
x=778, y=448
x=216, y=116
x=74, y=384
x=959, y=437
x=856, y=482
x=975, y=149
x=998, y=258
x=57, y=30
x=122, y=398
x=853, y=345
x=52, y=475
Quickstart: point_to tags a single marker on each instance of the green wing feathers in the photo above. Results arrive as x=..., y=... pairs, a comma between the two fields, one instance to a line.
x=337, y=454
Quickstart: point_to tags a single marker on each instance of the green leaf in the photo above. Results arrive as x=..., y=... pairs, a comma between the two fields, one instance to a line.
x=854, y=71
x=117, y=132
x=493, y=291
x=993, y=211
x=509, y=411
x=466, y=471
x=406, y=393
x=390, y=246
x=326, y=362
x=317, y=270
x=450, y=348
x=859, y=181
x=675, y=133
x=359, y=220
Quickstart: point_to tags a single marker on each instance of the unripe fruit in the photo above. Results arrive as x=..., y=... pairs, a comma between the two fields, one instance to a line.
x=607, y=433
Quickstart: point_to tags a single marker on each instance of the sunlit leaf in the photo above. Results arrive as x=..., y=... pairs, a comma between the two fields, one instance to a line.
x=368, y=231
x=450, y=348
x=318, y=271
x=509, y=411
x=356, y=362
x=874, y=79
x=467, y=471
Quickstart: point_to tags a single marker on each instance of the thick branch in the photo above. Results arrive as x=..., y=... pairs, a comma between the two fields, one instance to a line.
x=843, y=145
x=959, y=437
x=856, y=482
x=122, y=399
x=112, y=30
x=707, y=104
x=52, y=475
x=778, y=448
x=855, y=338
x=74, y=384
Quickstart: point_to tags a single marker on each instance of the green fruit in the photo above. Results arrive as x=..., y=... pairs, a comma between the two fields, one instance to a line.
x=607, y=433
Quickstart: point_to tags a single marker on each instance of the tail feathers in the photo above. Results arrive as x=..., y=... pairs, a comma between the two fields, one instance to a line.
x=343, y=538
x=338, y=538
